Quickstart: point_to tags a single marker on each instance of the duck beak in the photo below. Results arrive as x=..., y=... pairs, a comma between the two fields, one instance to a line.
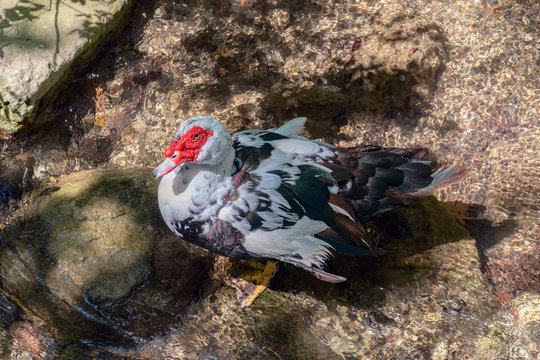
x=164, y=168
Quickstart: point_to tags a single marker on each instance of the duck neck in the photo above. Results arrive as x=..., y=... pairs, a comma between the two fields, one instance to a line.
x=189, y=172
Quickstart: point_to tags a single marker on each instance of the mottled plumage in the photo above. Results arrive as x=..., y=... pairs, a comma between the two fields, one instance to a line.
x=272, y=194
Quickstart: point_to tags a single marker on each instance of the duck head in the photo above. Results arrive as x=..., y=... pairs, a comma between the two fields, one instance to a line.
x=201, y=140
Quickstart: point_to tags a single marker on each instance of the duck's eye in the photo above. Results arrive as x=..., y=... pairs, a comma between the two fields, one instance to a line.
x=196, y=137
x=174, y=155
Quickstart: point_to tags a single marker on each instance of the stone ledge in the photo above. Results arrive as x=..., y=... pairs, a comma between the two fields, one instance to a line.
x=40, y=42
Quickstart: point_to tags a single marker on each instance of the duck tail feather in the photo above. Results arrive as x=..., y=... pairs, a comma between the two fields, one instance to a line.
x=442, y=178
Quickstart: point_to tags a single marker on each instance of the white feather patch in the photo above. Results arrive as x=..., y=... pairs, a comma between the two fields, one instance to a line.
x=297, y=146
x=292, y=127
x=271, y=220
x=205, y=188
x=297, y=241
x=340, y=210
x=322, y=167
x=303, y=150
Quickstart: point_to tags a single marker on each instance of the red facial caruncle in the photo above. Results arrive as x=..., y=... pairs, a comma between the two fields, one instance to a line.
x=188, y=147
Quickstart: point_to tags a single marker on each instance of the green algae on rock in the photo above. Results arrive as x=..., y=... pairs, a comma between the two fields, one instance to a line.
x=96, y=236
x=87, y=242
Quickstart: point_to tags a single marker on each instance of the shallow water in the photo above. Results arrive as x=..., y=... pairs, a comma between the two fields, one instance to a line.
x=437, y=293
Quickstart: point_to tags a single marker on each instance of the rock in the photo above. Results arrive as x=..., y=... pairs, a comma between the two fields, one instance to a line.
x=397, y=59
x=382, y=60
x=86, y=243
x=520, y=336
x=81, y=244
x=97, y=237
x=5, y=340
x=8, y=311
x=40, y=43
x=525, y=343
x=295, y=59
x=15, y=177
x=31, y=342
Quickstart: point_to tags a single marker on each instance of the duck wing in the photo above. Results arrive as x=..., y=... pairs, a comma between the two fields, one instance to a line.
x=374, y=179
x=277, y=185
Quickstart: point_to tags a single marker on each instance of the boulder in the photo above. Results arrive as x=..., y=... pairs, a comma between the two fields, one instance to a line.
x=40, y=43
x=85, y=245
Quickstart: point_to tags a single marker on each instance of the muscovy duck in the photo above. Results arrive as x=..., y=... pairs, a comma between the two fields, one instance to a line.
x=275, y=195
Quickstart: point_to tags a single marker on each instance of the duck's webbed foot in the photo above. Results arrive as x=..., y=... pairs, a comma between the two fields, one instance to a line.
x=250, y=285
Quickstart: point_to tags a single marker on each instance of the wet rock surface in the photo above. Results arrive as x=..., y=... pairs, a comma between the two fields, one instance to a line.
x=311, y=58
x=31, y=342
x=8, y=314
x=82, y=246
x=40, y=42
x=457, y=78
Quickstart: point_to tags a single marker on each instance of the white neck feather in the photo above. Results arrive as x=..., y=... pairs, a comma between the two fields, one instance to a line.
x=195, y=190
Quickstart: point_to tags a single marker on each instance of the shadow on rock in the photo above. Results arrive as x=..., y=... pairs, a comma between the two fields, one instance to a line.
x=79, y=124
x=429, y=254
x=304, y=59
x=410, y=237
x=511, y=275
x=485, y=232
x=92, y=258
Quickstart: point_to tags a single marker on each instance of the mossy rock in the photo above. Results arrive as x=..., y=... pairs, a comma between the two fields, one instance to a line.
x=84, y=244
